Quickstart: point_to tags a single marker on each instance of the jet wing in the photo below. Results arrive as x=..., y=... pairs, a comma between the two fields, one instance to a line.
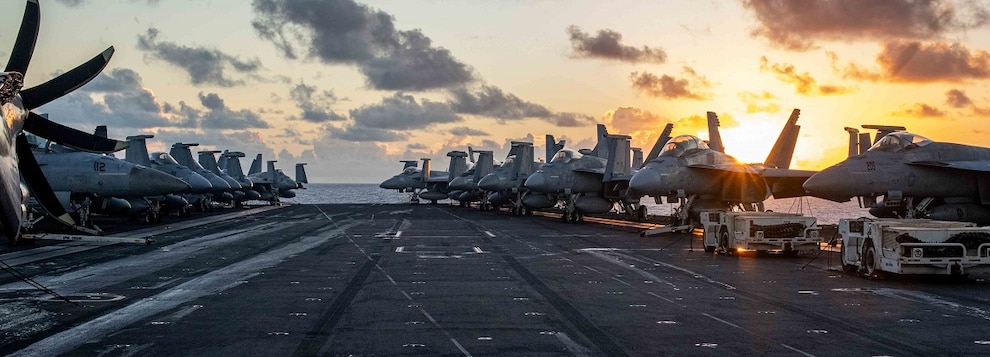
x=972, y=165
x=786, y=183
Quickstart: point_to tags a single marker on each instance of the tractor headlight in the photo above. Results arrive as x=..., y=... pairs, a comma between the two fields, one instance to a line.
x=917, y=252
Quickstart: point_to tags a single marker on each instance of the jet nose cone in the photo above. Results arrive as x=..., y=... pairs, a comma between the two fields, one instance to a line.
x=460, y=183
x=218, y=183
x=234, y=185
x=393, y=183
x=251, y=195
x=645, y=181
x=830, y=184
x=537, y=182
x=153, y=182
x=490, y=182
x=198, y=183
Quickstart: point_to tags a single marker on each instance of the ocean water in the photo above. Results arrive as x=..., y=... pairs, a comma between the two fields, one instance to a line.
x=827, y=212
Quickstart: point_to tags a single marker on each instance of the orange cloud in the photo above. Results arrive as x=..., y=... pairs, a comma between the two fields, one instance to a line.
x=694, y=87
x=920, y=110
x=803, y=83
x=797, y=25
x=916, y=62
x=753, y=102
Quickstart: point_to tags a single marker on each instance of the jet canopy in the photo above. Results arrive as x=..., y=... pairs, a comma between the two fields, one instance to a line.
x=409, y=170
x=681, y=144
x=564, y=156
x=163, y=158
x=899, y=141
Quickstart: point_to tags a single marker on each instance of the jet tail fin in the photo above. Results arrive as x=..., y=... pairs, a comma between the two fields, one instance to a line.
x=854, y=141
x=458, y=164
x=232, y=164
x=661, y=141
x=783, y=149
x=553, y=146
x=471, y=154
x=301, y=174
x=425, y=172
x=524, y=158
x=637, y=157
x=617, y=163
x=137, y=152
x=601, y=148
x=714, y=136
x=101, y=131
x=255, y=165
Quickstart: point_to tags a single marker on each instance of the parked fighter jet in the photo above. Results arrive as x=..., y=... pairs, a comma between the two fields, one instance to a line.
x=221, y=191
x=230, y=164
x=506, y=183
x=916, y=176
x=583, y=184
x=208, y=161
x=272, y=183
x=438, y=183
x=700, y=176
x=464, y=188
x=88, y=183
x=16, y=159
x=137, y=153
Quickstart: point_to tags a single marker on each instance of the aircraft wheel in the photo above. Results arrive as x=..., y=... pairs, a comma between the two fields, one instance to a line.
x=529, y=212
x=158, y=218
x=641, y=214
x=710, y=249
x=433, y=202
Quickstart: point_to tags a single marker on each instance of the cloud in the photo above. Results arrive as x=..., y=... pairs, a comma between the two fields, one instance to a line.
x=115, y=80
x=797, y=25
x=364, y=134
x=345, y=32
x=803, y=83
x=416, y=146
x=694, y=87
x=920, y=110
x=204, y=66
x=492, y=102
x=957, y=99
x=466, y=131
x=754, y=102
x=644, y=126
x=403, y=112
x=916, y=62
x=315, y=105
x=608, y=45
x=219, y=116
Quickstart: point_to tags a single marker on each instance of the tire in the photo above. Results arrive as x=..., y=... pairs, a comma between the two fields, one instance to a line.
x=790, y=253
x=641, y=214
x=723, y=241
x=870, y=262
x=710, y=249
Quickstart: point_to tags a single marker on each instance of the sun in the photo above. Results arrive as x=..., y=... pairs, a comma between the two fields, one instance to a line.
x=752, y=139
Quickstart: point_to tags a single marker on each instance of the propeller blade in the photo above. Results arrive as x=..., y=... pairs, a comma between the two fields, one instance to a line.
x=20, y=56
x=66, y=82
x=38, y=184
x=76, y=139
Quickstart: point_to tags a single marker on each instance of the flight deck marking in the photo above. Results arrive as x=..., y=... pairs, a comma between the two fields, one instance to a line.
x=408, y=296
x=490, y=234
x=722, y=321
x=215, y=281
x=797, y=350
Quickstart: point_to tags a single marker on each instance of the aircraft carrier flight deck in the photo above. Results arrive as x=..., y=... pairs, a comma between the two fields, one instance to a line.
x=427, y=280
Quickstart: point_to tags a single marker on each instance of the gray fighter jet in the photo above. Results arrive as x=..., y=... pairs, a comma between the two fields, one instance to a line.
x=582, y=184
x=222, y=190
x=506, y=183
x=16, y=159
x=272, y=183
x=208, y=160
x=700, y=176
x=88, y=183
x=230, y=164
x=917, y=177
x=137, y=153
x=438, y=183
x=464, y=187
x=410, y=180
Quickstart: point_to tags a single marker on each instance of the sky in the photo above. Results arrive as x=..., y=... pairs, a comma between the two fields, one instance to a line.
x=352, y=87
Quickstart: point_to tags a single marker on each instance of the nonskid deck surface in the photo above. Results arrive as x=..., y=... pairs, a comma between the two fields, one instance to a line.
x=441, y=280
